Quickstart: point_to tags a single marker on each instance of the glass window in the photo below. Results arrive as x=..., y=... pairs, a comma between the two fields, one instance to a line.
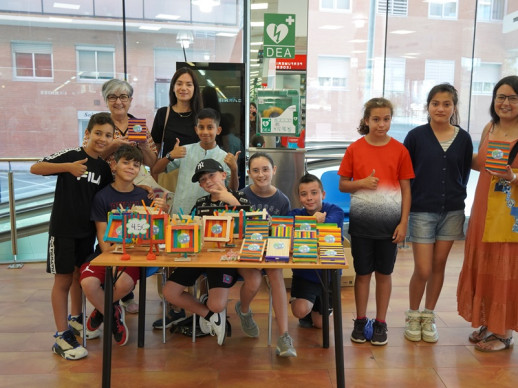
x=439, y=71
x=490, y=10
x=333, y=72
x=395, y=7
x=95, y=63
x=32, y=61
x=335, y=5
x=394, y=71
x=442, y=9
x=485, y=77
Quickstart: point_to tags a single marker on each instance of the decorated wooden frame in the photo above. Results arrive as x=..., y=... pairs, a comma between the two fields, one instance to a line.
x=305, y=250
x=254, y=228
x=239, y=222
x=183, y=238
x=305, y=223
x=331, y=254
x=281, y=226
x=115, y=228
x=278, y=249
x=218, y=228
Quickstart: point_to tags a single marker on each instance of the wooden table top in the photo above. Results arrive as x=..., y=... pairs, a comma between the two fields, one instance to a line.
x=207, y=258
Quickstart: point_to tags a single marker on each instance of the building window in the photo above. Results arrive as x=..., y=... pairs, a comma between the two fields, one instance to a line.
x=32, y=61
x=335, y=5
x=437, y=72
x=95, y=63
x=490, y=10
x=394, y=74
x=333, y=72
x=442, y=9
x=395, y=7
x=485, y=77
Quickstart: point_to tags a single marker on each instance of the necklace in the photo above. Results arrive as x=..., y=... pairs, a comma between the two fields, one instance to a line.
x=185, y=114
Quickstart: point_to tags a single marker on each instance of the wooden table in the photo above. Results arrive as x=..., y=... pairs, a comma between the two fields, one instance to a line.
x=210, y=259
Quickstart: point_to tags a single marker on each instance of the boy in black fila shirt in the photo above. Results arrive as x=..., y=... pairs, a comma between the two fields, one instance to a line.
x=81, y=173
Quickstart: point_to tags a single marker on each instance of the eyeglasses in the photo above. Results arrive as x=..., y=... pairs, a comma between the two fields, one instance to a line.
x=125, y=98
x=513, y=98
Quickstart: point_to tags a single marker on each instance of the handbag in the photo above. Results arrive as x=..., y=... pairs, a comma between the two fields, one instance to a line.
x=502, y=208
x=167, y=179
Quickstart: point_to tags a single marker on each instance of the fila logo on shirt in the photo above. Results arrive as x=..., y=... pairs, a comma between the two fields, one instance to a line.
x=90, y=177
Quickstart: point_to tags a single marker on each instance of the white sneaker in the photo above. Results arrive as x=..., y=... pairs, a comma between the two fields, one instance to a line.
x=413, y=326
x=218, y=326
x=66, y=346
x=429, y=330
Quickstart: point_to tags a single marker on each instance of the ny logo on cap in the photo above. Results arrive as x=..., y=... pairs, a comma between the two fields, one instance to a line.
x=200, y=165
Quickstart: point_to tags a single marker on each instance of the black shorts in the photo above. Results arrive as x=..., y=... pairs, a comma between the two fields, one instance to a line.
x=304, y=289
x=373, y=255
x=65, y=254
x=217, y=277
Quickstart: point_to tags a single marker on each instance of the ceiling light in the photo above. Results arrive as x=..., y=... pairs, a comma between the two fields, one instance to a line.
x=167, y=16
x=66, y=6
x=206, y=5
x=150, y=28
x=402, y=32
x=259, y=6
x=184, y=38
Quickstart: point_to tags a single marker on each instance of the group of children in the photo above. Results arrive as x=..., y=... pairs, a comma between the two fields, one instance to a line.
x=377, y=169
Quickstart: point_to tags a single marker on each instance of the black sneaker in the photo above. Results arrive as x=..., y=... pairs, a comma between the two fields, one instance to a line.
x=379, y=335
x=94, y=320
x=306, y=322
x=171, y=319
x=119, y=330
x=357, y=334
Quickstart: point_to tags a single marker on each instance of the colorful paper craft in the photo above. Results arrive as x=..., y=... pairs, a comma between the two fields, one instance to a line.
x=218, y=228
x=278, y=249
x=252, y=250
x=137, y=130
x=497, y=155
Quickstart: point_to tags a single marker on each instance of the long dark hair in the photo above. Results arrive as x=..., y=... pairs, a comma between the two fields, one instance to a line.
x=445, y=88
x=512, y=81
x=196, y=98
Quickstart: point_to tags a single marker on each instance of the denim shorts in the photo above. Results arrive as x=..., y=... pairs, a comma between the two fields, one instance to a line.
x=427, y=228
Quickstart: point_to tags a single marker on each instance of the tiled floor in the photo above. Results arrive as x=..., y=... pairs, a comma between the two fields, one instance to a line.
x=26, y=328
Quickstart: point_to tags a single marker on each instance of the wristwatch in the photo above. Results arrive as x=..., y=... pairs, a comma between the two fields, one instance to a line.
x=168, y=156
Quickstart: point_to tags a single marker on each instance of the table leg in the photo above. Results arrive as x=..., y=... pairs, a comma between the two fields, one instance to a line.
x=108, y=323
x=325, y=308
x=339, y=336
x=142, y=307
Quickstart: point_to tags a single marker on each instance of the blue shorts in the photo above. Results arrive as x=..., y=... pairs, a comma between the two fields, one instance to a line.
x=372, y=255
x=427, y=228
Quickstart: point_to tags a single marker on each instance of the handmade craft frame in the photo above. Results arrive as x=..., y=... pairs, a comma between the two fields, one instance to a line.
x=173, y=242
x=226, y=224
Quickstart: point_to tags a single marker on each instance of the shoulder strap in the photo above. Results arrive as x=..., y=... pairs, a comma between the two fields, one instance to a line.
x=163, y=133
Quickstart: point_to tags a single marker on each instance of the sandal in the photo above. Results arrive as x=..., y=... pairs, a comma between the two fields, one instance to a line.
x=478, y=335
x=508, y=343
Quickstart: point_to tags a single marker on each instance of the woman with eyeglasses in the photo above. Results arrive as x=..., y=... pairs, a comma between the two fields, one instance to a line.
x=441, y=153
x=487, y=293
x=118, y=95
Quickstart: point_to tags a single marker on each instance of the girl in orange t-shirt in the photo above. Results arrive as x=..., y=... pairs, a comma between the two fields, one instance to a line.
x=376, y=170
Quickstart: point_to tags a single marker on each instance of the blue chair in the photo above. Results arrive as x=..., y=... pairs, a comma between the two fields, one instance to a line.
x=330, y=180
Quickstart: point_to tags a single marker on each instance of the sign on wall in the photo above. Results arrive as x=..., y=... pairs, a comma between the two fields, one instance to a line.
x=279, y=35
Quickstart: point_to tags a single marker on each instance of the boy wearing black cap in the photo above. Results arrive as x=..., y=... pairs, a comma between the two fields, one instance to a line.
x=212, y=312
x=211, y=177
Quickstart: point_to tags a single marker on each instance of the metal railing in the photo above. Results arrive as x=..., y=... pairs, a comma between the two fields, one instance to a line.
x=12, y=207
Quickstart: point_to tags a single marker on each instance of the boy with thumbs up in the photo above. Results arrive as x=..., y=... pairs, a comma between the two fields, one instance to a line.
x=185, y=158
x=81, y=173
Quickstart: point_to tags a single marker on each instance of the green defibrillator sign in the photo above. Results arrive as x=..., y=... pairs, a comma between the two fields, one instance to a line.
x=279, y=35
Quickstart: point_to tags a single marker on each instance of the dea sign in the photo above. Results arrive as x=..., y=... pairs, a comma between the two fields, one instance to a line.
x=279, y=35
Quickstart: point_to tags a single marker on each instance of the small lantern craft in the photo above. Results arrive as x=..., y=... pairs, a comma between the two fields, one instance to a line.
x=278, y=249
